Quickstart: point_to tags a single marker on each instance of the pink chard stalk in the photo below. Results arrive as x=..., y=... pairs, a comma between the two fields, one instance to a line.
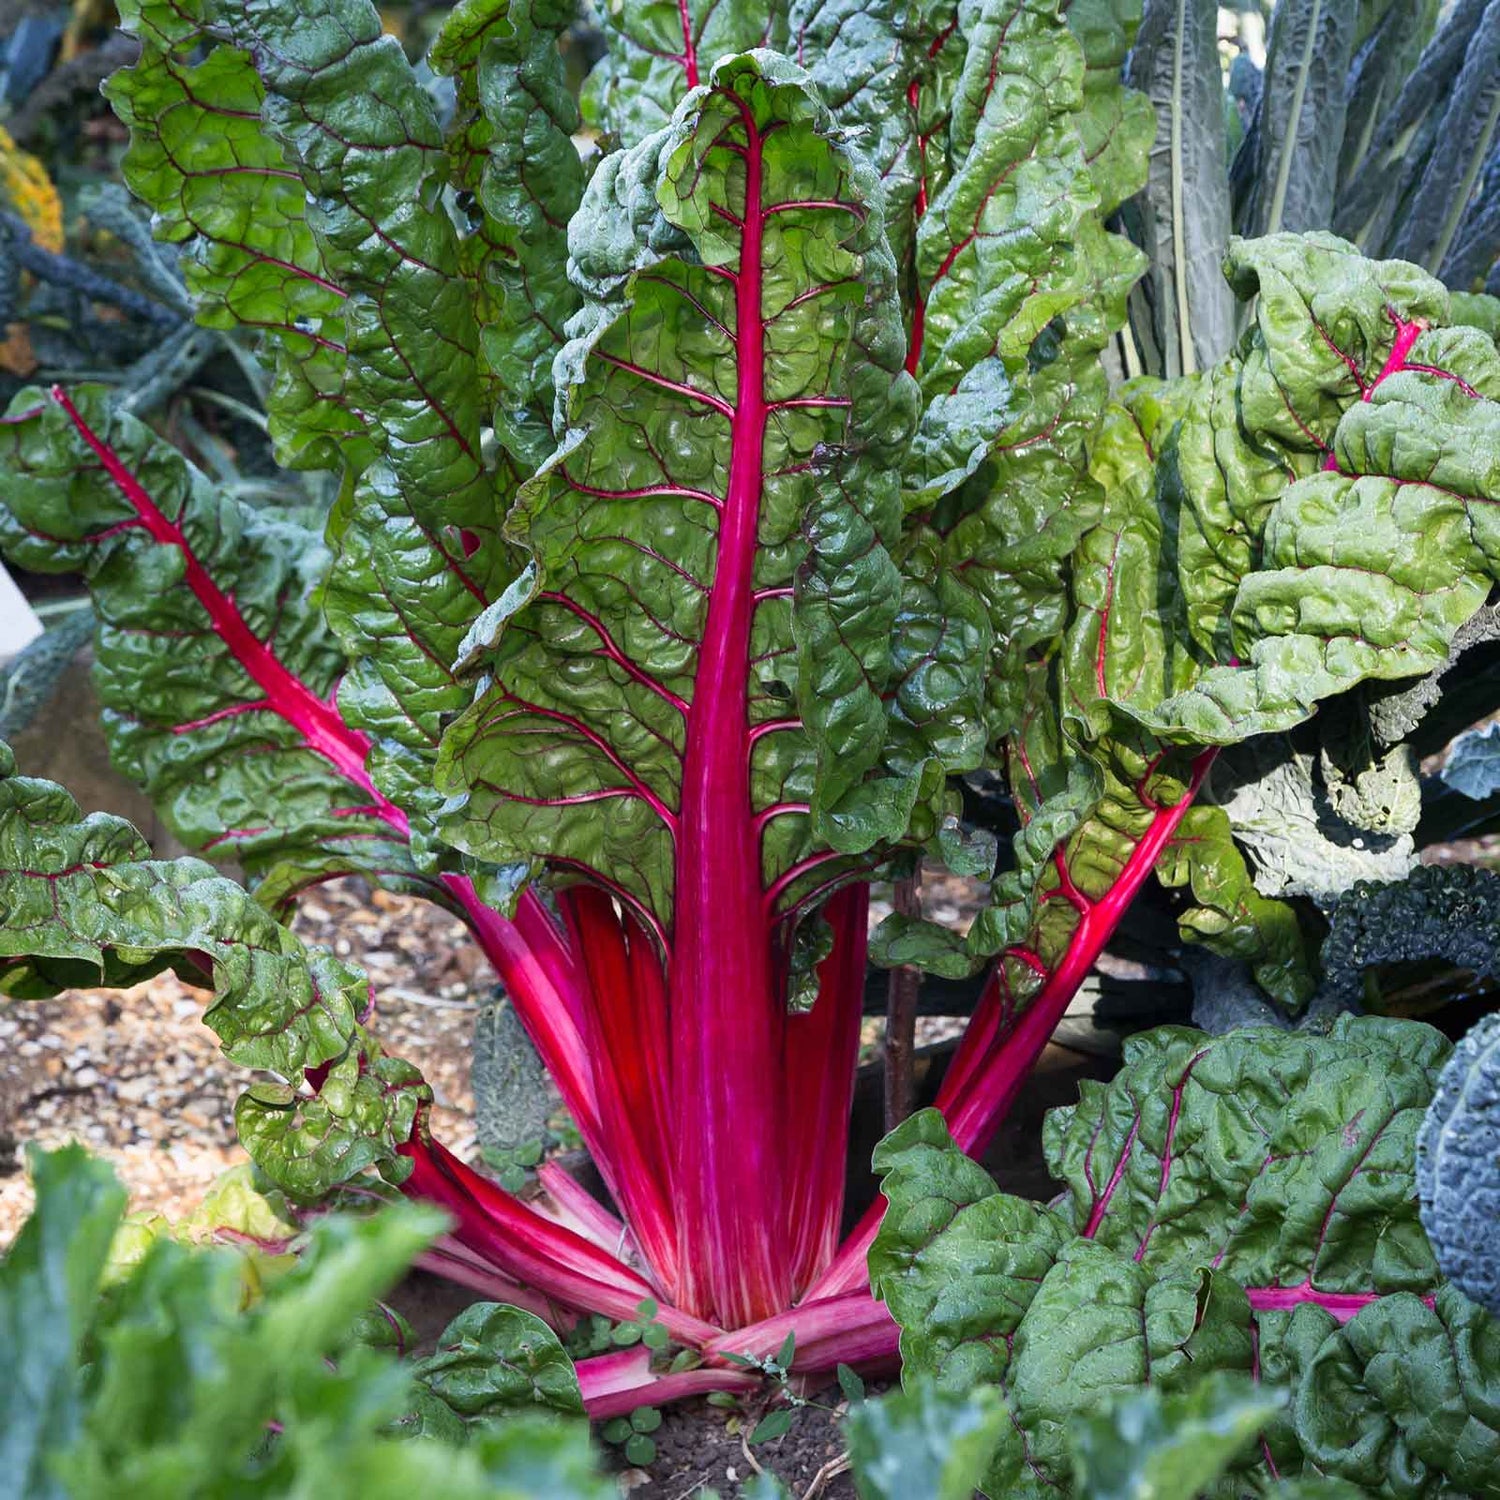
x=699, y=526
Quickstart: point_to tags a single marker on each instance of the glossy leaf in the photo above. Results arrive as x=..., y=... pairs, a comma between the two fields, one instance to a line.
x=417, y=545
x=363, y=1109
x=83, y=902
x=1359, y=377
x=1116, y=125
x=493, y=1361
x=655, y=559
x=1229, y=916
x=222, y=186
x=1017, y=289
x=662, y=48
x=899, y=76
x=1244, y=1204
x=237, y=744
x=515, y=162
x=682, y=701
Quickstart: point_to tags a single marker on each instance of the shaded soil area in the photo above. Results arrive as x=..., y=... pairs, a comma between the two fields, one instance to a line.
x=698, y=1446
x=701, y=1447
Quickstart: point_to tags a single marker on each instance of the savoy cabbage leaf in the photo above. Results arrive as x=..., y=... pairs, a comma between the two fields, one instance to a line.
x=1458, y=1165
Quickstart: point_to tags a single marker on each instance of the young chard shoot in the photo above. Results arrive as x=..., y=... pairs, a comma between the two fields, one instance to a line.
x=663, y=601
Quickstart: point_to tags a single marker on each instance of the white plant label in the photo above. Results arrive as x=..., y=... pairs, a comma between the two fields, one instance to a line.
x=19, y=626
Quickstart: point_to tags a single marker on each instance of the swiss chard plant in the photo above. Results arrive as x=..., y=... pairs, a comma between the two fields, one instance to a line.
x=707, y=508
x=1240, y=1207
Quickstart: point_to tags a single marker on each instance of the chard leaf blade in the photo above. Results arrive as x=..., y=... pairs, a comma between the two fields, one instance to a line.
x=1243, y=1204
x=239, y=746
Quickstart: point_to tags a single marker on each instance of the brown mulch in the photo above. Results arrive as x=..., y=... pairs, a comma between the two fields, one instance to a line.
x=135, y=1076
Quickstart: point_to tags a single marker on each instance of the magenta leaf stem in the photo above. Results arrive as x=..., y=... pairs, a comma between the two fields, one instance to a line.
x=728, y=1120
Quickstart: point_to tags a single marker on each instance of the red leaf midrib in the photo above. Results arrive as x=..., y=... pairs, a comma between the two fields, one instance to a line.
x=722, y=991
x=315, y=719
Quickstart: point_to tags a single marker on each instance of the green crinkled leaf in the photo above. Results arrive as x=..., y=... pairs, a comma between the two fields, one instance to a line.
x=923, y=1441
x=493, y=1361
x=1229, y=915
x=364, y=1107
x=659, y=49
x=1116, y=126
x=515, y=162
x=208, y=735
x=883, y=69
x=956, y=1262
x=220, y=185
x=1151, y=1443
x=1477, y=310
x=417, y=545
x=1068, y=801
x=1337, y=1115
x=704, y=545
x=1366, y=566
x=1403, y=1399
x=1017, y=290
x=1131, y=639
x=1098, y=1325
x=83, y=903
x=1241, y=1203
x=1085, y=811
